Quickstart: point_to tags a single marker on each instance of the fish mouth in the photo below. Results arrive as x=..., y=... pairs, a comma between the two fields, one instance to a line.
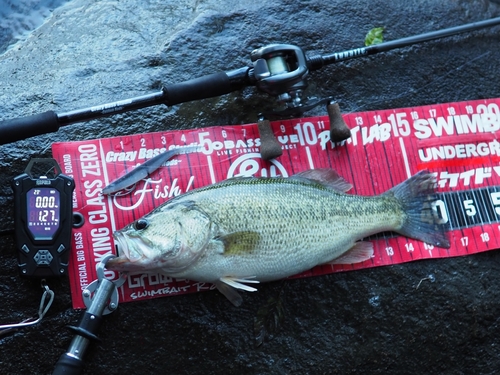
x=131, y=254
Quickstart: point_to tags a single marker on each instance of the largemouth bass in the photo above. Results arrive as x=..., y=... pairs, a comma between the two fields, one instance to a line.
x=248, y=230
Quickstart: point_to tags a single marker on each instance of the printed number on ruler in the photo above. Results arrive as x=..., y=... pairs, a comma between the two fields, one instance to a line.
x=464, y=209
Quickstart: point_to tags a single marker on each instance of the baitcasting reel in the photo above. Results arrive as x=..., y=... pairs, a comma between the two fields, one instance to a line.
x=281, y=70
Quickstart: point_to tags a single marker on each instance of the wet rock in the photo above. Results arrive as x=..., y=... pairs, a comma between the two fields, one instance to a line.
x=372, y=321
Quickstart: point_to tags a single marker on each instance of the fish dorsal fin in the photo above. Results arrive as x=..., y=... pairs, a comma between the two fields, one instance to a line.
x=326, y=177
x=238, y=243
x=360, y=252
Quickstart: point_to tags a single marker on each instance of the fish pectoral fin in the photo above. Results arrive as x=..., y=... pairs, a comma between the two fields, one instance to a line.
x=238, y=243
x=360, y=252
x=227, y=286
x=230, y=293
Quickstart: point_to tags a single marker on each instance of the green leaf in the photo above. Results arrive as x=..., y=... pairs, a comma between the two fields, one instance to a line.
x=374, y=36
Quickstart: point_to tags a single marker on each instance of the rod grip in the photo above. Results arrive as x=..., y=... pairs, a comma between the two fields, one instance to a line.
x=68, y=365
x=26, y=127
x=199, y=88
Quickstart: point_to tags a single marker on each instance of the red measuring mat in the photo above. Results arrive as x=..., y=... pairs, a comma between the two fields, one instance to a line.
x=457, y=141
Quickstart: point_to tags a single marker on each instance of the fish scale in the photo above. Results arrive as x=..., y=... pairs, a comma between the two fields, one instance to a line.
x=263, y=229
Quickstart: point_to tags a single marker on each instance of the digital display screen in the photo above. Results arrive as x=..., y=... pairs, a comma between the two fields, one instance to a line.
x=43, y=212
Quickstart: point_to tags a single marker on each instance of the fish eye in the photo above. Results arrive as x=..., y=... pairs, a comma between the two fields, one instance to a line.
x=141, y=224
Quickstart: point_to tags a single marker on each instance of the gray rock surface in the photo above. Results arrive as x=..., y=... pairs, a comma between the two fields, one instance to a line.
x=19, y=17
x=373, y=321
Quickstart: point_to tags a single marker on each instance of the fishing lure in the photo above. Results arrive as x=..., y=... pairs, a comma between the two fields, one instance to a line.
x=145, y=169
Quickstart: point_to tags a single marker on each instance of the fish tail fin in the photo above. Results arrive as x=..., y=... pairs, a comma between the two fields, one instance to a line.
x=417, y=196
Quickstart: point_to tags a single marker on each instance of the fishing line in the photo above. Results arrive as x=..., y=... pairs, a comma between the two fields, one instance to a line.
x=413, y=91
x=42, y=310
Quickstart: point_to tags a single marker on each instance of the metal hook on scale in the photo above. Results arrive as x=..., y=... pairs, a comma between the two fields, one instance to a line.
x=101, y=298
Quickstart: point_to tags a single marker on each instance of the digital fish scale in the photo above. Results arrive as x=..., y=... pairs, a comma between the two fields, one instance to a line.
x=43, y=219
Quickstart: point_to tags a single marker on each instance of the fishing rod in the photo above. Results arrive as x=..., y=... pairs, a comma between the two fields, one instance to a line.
x=279, y=70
